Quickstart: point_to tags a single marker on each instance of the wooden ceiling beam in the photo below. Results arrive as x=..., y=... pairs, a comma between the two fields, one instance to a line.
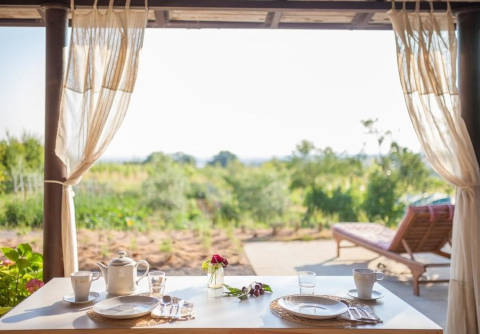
x=161, y=18
x=260, y=25
x=217, y=24
x=255, y=5
x=41, y=12
x=361, y=20
x=21, y=23
x=272, y=19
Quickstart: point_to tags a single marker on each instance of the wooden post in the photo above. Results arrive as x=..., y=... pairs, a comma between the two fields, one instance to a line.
x=56, y=25
x=468, y=26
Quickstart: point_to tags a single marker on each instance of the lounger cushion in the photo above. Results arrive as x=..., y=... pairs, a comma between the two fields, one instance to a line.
x=376, y=235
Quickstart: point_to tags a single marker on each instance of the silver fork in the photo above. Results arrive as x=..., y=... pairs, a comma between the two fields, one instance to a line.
x=174, y=306
x=369, y=313
x=178, y=313
x=362, y=315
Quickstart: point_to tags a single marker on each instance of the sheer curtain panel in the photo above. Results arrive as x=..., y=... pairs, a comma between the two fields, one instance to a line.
x=427, y=60
x=100, y=76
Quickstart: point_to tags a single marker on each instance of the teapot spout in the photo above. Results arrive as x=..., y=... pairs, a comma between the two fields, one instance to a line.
x=103, y=269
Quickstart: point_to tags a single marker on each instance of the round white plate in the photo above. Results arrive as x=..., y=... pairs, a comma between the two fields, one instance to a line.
x=92, y=296
x=312, y=307
x=125, y=307
x=375, y=294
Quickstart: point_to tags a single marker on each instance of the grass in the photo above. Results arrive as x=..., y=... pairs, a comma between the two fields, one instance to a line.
x=166, y=246
x=133, y=243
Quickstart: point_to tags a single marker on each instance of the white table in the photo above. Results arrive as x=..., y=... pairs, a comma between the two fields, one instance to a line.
x=45, y=310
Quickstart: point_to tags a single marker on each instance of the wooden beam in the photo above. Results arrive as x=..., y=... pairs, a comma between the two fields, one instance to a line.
x=275, y=8
x=41, y=12
x=161, y=18
x=269, y=19
x=361, y=20
x=272, y=19
x=21, y=23
x=56, y=28
x=255, y=25
x=255, y=5
x=468, y=24
x=219, y=24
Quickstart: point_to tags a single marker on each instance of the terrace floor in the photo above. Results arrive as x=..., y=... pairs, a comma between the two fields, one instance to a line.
x=286, y=258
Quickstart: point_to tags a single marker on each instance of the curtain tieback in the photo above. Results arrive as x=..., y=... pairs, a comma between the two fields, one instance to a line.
x=471, y=189
x=57, y=182
x=66, y=185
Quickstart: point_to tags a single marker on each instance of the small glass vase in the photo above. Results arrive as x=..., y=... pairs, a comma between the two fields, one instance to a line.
x=215, y=276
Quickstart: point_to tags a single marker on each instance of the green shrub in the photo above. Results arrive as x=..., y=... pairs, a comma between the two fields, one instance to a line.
x=115, y=211
x=229, y=213
x=261, y=194
x=338, y=203
x=381, y=202
x=21, y=213
x=165, y=189
x=20, y=275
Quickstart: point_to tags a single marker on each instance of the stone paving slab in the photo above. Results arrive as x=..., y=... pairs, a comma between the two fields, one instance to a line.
x=286, y=258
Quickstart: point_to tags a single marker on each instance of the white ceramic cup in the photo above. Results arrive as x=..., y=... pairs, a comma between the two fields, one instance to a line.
x=364, y=280
x=81, y=282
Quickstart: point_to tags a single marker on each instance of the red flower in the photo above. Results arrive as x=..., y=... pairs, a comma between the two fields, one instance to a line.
x=33, y=285
x=218, y=259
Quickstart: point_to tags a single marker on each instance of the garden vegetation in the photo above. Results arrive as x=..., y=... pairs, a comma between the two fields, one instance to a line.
x=313, y=187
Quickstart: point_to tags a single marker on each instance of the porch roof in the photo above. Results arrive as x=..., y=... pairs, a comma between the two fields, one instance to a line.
x=259, y=14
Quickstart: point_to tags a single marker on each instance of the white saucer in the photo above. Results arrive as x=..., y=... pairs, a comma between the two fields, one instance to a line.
x=92, y=296
x=375, y=294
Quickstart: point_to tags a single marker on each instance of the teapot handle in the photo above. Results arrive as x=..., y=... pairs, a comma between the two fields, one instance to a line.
x=146, y=265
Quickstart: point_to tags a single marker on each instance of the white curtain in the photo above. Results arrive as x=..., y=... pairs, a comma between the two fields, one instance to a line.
x=100, y=77
x=427, y=60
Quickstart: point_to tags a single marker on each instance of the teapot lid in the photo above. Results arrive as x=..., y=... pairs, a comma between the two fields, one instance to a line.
x=122, y=260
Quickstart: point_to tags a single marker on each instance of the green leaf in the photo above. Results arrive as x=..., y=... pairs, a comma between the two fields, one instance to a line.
x=205, y=265
x=22, y=264
x=231, y=289
x=36, y=258
x=10, y=253
x=24, y=249
x=266, y=287
x=5, y=309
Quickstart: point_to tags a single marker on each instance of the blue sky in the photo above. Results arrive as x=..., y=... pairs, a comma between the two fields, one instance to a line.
x=254, y=92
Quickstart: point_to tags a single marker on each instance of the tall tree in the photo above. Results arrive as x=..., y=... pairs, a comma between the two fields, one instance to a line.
x=223, y=158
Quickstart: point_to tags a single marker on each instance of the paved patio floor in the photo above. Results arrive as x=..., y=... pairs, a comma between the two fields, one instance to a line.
x=286, y=258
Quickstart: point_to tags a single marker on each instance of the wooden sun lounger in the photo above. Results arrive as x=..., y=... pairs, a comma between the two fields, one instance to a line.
x=424, y=229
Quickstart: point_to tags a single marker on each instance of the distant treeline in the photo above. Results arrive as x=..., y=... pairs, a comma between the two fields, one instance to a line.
x=312, y=187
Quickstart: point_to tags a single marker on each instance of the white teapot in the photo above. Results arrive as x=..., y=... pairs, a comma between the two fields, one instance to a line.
x=121, y=274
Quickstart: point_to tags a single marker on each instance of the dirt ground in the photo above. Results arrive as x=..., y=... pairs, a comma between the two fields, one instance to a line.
x=176, y=252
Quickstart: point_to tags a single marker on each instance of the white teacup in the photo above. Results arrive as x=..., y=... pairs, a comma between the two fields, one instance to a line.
x=364, y=280
x=81, y=282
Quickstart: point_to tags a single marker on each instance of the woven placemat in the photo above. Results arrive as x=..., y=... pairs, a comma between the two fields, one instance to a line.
x=145, y=321
x=341, y=321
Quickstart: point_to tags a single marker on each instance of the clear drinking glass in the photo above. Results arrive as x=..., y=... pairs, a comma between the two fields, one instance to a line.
x=307, y=281
x=156, y=283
